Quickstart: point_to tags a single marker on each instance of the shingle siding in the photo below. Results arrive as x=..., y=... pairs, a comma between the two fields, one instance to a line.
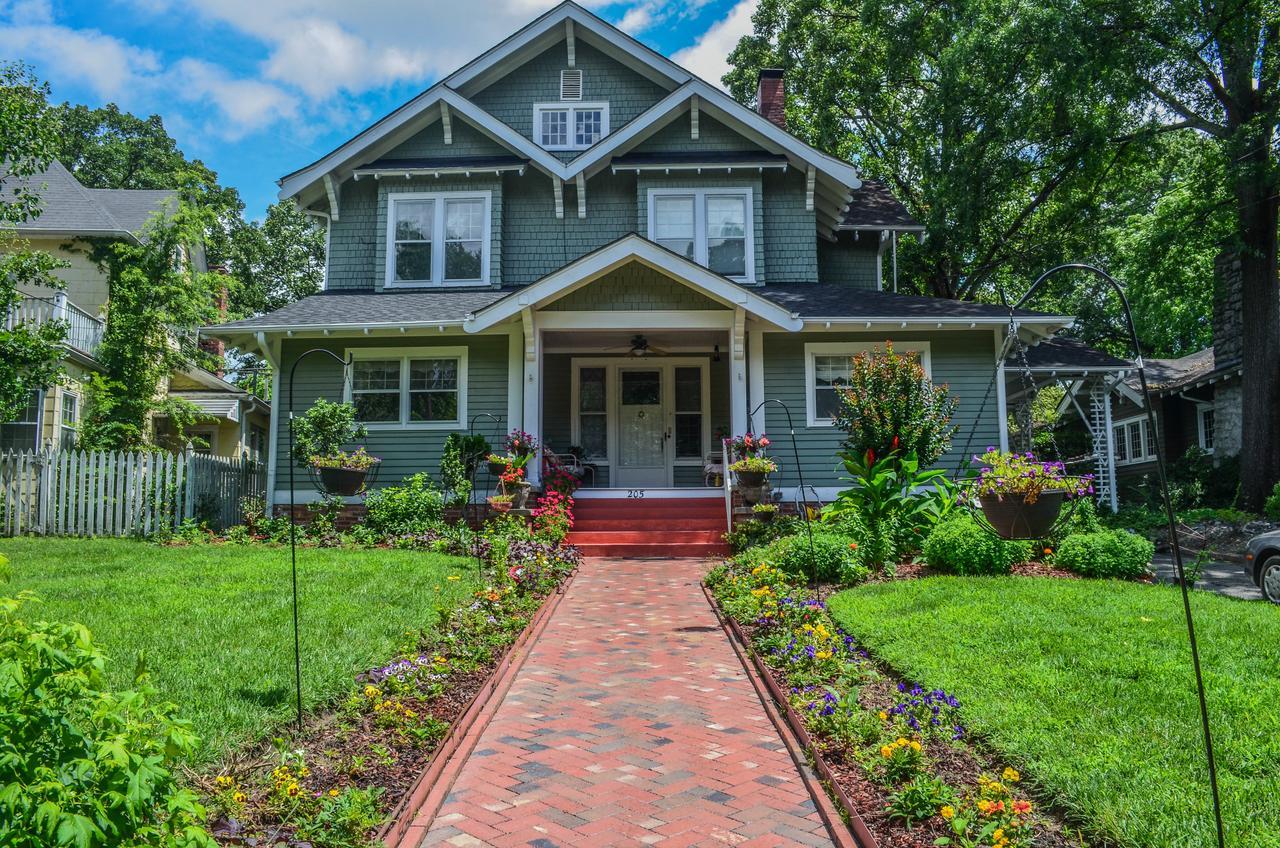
x=712, y=136
x=633, y=288
x=429, y=144
x=403, y=452
x=355, y=239
x=790, y=243
x=849, y=261
x=962, y=360
x=511, y=98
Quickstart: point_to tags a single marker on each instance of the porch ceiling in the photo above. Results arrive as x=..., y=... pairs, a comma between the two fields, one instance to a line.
x=619, y=341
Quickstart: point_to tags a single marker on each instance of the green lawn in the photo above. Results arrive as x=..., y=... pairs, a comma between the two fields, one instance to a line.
x=215, y=622
x=1087, y=687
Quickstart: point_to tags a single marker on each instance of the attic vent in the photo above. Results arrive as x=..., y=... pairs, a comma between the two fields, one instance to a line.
x=571, y=85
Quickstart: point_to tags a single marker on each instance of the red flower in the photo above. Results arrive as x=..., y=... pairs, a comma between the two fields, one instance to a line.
x=870, y=457
x=894, y=444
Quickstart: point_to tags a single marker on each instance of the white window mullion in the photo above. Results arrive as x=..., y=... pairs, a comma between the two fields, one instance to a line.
x=700, y=227
x=404, y=390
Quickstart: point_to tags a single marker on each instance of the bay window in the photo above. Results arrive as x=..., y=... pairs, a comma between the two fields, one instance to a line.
x=409, y=387
x=712, y=227
x=437, y=238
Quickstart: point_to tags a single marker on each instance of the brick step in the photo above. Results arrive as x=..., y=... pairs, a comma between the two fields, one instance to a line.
x=644, y=537
x=664, y=510
x=594, y=523
x=658, y=549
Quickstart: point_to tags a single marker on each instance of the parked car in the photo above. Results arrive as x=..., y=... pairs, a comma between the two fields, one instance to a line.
x=1262, y=558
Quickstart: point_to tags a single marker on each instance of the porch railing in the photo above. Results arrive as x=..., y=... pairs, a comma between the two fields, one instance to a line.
x=84, y=331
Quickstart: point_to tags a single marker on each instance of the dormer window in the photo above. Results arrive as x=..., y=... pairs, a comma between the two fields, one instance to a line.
x=570, y=126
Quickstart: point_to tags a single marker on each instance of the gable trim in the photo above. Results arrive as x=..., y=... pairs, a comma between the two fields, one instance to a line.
x=631, y=248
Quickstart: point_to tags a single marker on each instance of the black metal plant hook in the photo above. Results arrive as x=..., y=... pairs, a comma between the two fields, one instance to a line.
x=293, y=522
x=1162, y=476
x=488, y=481
x=795, y=449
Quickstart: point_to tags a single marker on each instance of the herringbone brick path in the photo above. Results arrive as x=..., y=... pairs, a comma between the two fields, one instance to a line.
x=631, y=723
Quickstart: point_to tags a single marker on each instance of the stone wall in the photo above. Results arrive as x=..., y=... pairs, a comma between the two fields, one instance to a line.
x=1227, y=345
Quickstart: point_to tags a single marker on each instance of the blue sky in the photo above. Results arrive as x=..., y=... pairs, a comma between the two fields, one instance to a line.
x=258, y=88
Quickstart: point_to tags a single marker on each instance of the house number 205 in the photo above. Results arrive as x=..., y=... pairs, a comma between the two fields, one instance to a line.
x=635, y=493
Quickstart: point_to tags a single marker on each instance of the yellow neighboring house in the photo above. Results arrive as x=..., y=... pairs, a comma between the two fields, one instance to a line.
x=234, y=422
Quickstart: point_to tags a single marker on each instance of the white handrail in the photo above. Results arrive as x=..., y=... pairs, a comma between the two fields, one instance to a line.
x=84, y=331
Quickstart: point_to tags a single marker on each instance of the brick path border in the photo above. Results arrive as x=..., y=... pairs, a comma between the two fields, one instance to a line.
x=408, y=824
x=845, y=825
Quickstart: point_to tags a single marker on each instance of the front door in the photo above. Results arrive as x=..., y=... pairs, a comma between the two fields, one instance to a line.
x=642, y=429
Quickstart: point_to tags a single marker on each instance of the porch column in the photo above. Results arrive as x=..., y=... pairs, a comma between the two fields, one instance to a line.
x=738, y=374
x=515, y=378
x=1002, y=407
x=755, y=378
x=532, y=389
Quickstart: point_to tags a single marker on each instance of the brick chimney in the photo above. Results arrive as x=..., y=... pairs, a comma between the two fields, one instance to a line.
x=771, y=96
x=216, y=347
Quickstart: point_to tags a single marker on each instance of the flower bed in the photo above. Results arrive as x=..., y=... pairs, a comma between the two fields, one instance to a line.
x=897, y=750
x=335, y=782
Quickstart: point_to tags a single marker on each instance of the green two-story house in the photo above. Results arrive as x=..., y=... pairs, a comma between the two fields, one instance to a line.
x=575, y=236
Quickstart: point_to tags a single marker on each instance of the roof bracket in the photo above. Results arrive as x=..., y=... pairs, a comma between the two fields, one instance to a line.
x=569, y=41
x=810, y=180
x=331, y=190
x=557, y=189
x=739, y=333
x=693, y=117
x=582, y=194
x=446, y=122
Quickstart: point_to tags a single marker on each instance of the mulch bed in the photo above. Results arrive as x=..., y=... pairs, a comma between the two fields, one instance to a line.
x=343, y=750
x=958, y=763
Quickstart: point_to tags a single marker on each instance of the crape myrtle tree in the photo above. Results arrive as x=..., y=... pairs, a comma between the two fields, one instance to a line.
x=30, y=354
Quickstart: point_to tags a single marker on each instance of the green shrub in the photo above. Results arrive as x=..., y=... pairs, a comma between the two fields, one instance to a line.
x=411, y=508
x=1106, y=553
x=833, y=558
x=1271, y=508
x=324, y=429
x=958, y=545
x=81, y=765
x=757, y=534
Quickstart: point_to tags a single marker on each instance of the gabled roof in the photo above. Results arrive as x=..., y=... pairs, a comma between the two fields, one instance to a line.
x=68, y=208
x=631, y=248
x=874, y=207
x=1165, y=376
x=1063, y=353
x=836, y=179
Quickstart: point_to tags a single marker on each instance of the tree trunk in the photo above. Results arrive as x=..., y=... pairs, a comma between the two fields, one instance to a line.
x=1256, y=205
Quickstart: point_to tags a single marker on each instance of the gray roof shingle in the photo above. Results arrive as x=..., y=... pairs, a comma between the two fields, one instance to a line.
x=874, y=207
x=1067, y=354
x=818, y=300
x=333, y=308
x=67, y=207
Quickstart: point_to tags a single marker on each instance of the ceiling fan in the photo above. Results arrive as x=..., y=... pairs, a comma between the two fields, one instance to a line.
x=639, y=347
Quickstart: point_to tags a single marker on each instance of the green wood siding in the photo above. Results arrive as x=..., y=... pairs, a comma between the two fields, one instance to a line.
x=467, y=141
x=355, y=237
x=511, y=98
x=492, y=184
x=849, y=261
x=790, y=241
x=963, y=360
x=633, y=288
x=403, y=452
x=712, y=136
x=537, y=243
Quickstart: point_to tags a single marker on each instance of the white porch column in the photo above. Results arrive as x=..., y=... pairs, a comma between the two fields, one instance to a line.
x=532, y=389
x=515, y=378
x=1002, y=408
x=755, y=378
x=738, y=374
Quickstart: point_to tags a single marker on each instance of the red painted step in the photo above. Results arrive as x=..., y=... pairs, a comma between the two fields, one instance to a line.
x=657, y=527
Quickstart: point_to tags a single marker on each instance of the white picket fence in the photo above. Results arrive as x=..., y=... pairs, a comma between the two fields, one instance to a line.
x=121, y=493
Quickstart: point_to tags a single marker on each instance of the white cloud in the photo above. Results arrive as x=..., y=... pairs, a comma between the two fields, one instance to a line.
x=243, y=104
x=102, y=63
x=708, y=57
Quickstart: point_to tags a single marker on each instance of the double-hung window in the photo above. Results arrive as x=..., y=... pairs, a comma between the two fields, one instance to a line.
x=1132, y=441
x=1206, y=418
x=570, y=126
x=22, y=433
x=827, y=366
x=70, y=419
x=712, y=227
x=409, y=387
x=437, y=239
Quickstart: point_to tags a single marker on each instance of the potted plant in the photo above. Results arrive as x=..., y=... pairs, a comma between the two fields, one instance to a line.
x=319, y=435
x=497, y=463
x=764, y=512
x=520, y=444
x=752, y=470
x=512, y=481
x=1021, y=496
x=500, y=503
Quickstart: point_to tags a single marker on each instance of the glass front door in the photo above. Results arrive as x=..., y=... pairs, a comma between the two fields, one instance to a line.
x=642, y=429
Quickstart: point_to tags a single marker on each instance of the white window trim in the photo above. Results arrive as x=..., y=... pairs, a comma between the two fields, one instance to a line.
x=851, y=349
x=1201, y=409
x=611, y=365
x=1123, y=425
x=404, y=354
x=437, y=239
x=700, y=222
x=74, y=426
x=570, y=106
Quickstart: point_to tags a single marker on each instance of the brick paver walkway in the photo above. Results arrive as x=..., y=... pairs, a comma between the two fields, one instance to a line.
x=631, y=723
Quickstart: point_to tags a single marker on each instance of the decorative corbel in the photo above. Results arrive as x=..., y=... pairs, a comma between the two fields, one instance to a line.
x=446, y=122
x=582, y=194
x=558, y=190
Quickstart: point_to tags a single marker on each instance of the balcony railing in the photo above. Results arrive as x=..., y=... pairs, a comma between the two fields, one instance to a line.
x=84, y=331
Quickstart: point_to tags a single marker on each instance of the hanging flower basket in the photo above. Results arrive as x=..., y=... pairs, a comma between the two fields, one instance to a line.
x=500, y=503
x=1022, y=497
x=764, y=513
x=1012, y=517
x=344, y=474
x=752, y=471
x=497, y=464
